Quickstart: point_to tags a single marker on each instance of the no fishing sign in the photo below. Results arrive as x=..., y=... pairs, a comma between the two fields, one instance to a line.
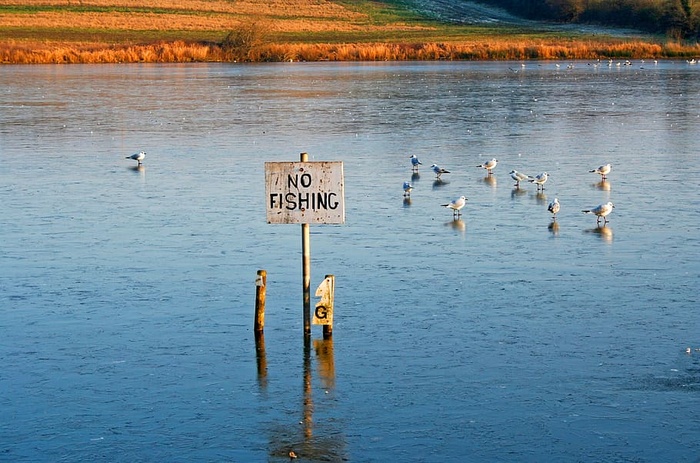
x=305, y=192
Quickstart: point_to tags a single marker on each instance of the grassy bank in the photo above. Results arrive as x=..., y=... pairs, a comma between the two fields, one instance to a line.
x=123, y=31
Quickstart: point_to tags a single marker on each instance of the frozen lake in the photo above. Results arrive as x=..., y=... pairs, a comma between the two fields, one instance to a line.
x=127, y=295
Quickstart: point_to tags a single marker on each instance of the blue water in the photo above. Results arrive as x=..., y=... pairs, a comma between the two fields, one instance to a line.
x=127, y=295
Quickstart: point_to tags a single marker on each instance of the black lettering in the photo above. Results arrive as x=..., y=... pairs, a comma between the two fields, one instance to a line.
x=322, y=201
x=306, y=180
x=334, y=204
x=303, y=201
x=293, y=181
x=321, y=312
x=290, y=198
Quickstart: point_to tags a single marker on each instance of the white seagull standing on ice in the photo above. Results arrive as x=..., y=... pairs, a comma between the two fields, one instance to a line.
x=456, y=205
x=140, y=156
x=439, y=170
x=490, y=165
x=540, y=180
x=554, y=207
x=415, y=162
x=518, y=177
x=603, y=170
x=601, y=211
x=407, y=187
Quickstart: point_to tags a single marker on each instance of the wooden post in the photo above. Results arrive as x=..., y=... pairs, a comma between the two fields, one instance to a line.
x=260, y=290
x=306, y=266
x=261, y=358
x=328, y=329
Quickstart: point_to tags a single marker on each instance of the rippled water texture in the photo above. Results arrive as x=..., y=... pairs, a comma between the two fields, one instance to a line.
x=127, y=295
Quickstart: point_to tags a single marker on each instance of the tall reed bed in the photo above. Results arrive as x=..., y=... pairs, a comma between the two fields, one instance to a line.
x=182, y=52
x=161, y=52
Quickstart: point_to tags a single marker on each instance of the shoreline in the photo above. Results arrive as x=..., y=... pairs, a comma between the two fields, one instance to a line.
x=180, y=51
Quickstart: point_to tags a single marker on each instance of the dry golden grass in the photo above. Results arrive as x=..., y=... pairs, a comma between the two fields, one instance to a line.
x=122, y=31
x=179, y=51
x=281, y=8
x=170, y=15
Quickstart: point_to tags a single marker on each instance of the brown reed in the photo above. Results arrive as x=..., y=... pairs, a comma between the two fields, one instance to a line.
x=183, y=52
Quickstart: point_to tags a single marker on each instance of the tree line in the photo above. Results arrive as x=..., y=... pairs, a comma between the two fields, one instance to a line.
x=679, y=19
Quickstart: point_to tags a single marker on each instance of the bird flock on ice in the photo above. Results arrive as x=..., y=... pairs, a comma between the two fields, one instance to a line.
x=456, y=205
x=601, y=211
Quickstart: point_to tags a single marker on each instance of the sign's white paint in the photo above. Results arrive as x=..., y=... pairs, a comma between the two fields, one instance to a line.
x=305, y=192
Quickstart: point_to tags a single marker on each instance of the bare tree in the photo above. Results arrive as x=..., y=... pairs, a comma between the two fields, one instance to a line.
x=240, y=41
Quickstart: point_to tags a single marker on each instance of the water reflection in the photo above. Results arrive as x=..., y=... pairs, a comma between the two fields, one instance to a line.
x=517, y=191
x=458, y=225
x=541, y=198
x=261, y=359
x=305, y=443
x=554, y=228
x=605, y=233
x=415, y=177
x=603, y=185
x=490, y=180
x=326, y=361
x=406, y=201
x=439, y=183
x=140, y=170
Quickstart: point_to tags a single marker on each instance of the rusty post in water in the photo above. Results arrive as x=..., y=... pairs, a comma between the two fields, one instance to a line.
x=328, y=329
x=260, y=290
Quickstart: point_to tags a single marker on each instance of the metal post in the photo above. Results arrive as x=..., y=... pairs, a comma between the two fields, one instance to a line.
x=306, y=266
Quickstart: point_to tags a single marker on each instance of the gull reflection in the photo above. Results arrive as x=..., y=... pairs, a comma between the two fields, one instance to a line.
x=458, y=225
x=415, y=176
x=554, y=228
x=406, y=201
x=605, y=233
x=439, y=183
x=140, y=170
x=490, y=180
x=541, y=198
x=517, y=191
x=603, y=185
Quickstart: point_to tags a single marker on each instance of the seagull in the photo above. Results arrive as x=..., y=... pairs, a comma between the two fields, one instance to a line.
x=407, y=187
x=456, y=205
x=601, y=211
x=439, y=170
x=540, y=180
x=140, y=156
x=554, y=208
x=489, y=165
x=518, y=177
x=415, y=162
x=603, y=170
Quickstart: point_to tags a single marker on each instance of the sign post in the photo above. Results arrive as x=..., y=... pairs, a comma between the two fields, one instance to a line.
x=307, y=193
x=306, y=263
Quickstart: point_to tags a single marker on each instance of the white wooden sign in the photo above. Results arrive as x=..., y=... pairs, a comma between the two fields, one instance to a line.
x=305, y=192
